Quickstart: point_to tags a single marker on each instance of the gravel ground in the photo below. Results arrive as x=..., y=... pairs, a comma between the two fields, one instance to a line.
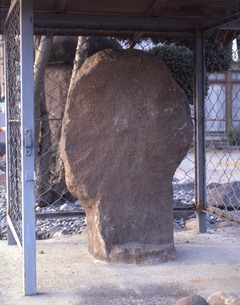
x=183, y=193
x=67, y=274
x=220, y=168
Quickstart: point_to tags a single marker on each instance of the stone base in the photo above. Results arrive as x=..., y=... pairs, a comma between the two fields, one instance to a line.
x=135, y=233
x=135, y=253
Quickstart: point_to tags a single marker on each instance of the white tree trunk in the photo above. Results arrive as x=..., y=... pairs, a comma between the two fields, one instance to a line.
x=42, y=132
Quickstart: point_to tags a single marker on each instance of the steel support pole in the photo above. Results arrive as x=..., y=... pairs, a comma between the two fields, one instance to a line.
x=27, y=137
x=200, y=172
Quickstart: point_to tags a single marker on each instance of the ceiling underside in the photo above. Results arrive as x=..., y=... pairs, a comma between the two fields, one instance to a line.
x=133, y=18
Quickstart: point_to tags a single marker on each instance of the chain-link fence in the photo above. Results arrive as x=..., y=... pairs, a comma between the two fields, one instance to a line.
x=56, y=60
x=54, y=67
x=222, y=124
x=13, y=90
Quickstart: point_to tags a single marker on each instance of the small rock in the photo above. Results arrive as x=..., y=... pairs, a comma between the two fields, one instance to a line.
x=225, y=224
x=64, y=207
x=226, y=195
x=223, y=298
x=177, y=227
x=182, y=223
x=77, y=203
x=61, y=233
x=211, y=219
x=186, y=181
x=3, y=224
x=213, y=185
x=192, y=300
x=40, y=235
x=191, y=224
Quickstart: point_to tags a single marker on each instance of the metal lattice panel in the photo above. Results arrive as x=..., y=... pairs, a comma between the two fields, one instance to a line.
x=13, y=89
x=222, y=127
x=51, y=191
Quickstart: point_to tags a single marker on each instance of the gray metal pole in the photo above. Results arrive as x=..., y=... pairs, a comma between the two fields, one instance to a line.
x=27, y=149
x=200, y=173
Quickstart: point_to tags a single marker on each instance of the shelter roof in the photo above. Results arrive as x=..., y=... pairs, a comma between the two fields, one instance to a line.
x=127, y=17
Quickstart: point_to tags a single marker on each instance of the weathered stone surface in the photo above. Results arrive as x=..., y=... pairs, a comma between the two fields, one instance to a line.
x=192, y=300
x=223, y=298
x=57, y=78
x=224, y=196
x=126, y=129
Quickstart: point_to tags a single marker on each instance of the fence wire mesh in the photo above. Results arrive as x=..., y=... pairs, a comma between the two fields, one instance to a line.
x=222, y=123
x=53, y=69
x=57, y=58
x=13, y=90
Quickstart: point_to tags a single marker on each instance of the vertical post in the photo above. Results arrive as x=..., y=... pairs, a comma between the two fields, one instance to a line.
x=27, y=134
x=200, y=172
x=229, y=99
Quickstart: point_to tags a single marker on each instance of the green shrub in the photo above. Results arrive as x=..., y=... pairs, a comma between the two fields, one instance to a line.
x=217, y=59
x=179, y=61
x=233, y=135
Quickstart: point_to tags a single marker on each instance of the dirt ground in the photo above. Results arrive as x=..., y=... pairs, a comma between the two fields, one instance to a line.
x=67, y=274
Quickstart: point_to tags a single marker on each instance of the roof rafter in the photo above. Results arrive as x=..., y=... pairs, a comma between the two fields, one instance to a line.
x=140, y=18
x=157, y=5
x=232, y=7
x=121, y=23
x=60, y=6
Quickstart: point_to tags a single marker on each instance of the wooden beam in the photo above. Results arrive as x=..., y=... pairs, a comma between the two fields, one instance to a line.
x=114, y=23
x=60, y=6
x=157, y=5
x=112, y=33
x=232, y=7
x=228, y=22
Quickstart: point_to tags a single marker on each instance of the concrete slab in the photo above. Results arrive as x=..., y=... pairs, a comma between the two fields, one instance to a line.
x=221, y=166
x=67, y=274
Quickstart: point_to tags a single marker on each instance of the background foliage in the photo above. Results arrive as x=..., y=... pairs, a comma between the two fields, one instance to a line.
x=178, y=57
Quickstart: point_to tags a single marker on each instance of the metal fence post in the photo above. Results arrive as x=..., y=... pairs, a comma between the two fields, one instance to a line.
x=27, y=134
x=199, y=86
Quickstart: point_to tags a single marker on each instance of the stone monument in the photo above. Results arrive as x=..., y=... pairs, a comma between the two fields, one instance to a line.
x=126, y=129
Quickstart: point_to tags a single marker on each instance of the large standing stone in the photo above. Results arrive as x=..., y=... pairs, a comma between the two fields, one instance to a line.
x=126, y=129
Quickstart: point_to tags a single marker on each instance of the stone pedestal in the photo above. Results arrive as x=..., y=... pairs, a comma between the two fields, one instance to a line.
x=126, y=129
